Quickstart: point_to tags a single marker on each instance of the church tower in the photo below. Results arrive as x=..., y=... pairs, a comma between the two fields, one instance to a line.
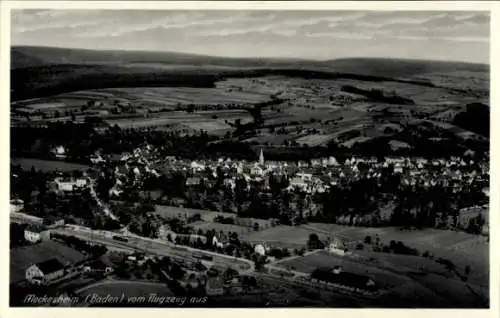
x=261, y=157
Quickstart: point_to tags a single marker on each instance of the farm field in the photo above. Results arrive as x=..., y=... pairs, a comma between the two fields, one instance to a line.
x=176, y=212
x=47, y=165
x=23, y=257
x=394, y=273
x=206, y=215
x=428, y=238
x=226, y=228
x=172, y=96
x=282, y=236
x=461, y=248
x=308, y=264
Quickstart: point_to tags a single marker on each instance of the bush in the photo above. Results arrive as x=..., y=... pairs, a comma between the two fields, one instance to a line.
x=368, y=239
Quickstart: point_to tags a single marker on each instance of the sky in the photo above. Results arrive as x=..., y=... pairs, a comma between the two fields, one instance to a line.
x=436, y=35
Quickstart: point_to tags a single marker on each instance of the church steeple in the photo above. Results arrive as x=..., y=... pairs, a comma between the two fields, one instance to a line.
x=261, y=157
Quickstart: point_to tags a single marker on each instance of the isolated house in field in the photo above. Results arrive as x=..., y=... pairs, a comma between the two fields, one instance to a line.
x=338, y=247
x=59, y=152
x=45, y=272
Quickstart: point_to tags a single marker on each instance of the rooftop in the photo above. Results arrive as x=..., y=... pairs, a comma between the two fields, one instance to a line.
x=50, y=266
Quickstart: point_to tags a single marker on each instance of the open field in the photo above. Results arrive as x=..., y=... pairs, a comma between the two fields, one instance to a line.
x=173, y=96
x=418, y=277
x=282, y=236
x=314, y=110
x=424, y=238
x=461, y=248
x=212, y=122
x=308, y=264
x=206, y=215
x=47, y=165
x=176, y=212
x=226, y=228
x=23, y=257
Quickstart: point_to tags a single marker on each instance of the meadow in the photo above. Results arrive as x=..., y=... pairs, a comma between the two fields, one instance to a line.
x=207, y=217
x=461, y=248
x=282, y=236
x=307, y=264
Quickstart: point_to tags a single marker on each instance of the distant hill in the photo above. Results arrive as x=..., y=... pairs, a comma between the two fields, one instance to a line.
x=401, y=67
x=33, y=56
x=45, y=71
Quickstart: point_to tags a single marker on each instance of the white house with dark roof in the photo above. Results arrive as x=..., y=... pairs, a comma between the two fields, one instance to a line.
x=59, y=152
x=36, y=233
x=45, y=272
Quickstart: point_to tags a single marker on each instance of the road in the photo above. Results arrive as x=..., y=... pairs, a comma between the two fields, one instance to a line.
x=102, y=205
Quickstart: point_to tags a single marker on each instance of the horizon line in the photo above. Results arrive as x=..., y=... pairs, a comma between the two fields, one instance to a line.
x=309, y=59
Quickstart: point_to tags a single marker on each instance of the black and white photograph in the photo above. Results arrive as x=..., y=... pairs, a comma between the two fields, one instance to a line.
x=249, y=158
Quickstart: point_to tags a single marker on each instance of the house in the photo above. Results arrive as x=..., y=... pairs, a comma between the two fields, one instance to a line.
x=338, y=247
x=96, y=159
x=53, y=221
x=466, y=215
x=398, y=170
x=36, y=233
x=193, y=181
x=45, y=272
x=195, y=166
x=114, y=192
x=214, y=286
x=195, y=237
x=332, y=161
x=65, y=185
x=16, y=206
x=97, y=267
x=297, y=183
x=304, y=176
x=256, y=171
x=59, y=152
x=231, y=183
x=81, y=182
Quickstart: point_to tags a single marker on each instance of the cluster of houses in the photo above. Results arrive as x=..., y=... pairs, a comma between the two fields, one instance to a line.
x=315, y=176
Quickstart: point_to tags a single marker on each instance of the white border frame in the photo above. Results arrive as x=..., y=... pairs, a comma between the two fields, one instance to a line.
x=492, y=6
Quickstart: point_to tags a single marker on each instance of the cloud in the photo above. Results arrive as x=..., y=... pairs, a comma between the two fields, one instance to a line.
x=340, y=35
x=303, y=32
x=467, y=39
x=444, y=38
